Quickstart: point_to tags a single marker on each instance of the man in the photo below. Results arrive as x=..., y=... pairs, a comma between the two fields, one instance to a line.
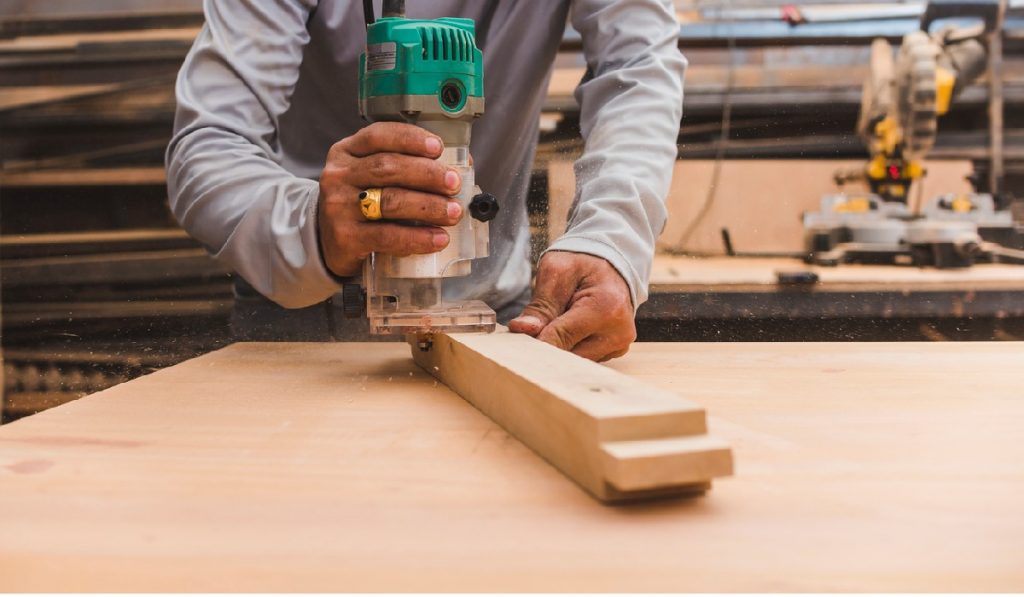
x=269, y=154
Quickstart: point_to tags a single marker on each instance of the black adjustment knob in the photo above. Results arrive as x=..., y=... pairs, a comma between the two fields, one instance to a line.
x=484, y=207
x=353, y=300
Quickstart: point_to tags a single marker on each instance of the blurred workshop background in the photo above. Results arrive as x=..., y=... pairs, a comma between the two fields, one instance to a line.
x=100, y=285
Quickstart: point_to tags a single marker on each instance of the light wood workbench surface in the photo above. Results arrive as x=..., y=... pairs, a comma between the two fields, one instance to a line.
x=671, y=272
x=860, y=467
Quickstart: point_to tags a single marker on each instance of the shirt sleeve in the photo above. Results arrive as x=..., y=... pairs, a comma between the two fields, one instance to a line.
x=630, y=112
x=225, y=181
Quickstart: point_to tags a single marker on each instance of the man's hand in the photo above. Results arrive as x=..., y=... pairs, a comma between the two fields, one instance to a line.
x=580, y=303
x=401, y=159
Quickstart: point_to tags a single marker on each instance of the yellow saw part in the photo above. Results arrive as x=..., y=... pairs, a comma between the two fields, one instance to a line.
x=889, y=136
x=878, y=168
x=962, y=204
x=853, y=205
x=945, y=81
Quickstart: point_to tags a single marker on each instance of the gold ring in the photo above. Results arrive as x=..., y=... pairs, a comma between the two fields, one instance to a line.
x=369, y=203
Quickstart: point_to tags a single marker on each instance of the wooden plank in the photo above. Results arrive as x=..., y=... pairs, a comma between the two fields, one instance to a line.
x=74, y=42
x=872, y=467
x=673, y=273
x=32, y=315
x=72, y=9
x=617, y=438
x=144, y=176
x=120, y=267
x=20, y=97
x=50, y=244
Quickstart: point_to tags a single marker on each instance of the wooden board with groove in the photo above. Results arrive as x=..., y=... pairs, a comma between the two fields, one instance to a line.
x=619, y=438
x=344, y=467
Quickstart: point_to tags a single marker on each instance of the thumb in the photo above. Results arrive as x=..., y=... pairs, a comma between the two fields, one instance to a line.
x=551, y=297
x=531, y=321
x=569, y=329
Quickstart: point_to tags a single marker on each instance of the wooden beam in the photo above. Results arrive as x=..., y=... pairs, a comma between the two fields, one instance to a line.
x=14, y=247
x=141, y=176
x=107, y=268
x=618, y=438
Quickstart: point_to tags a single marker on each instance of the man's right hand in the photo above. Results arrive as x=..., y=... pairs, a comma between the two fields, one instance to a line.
x=401, y=159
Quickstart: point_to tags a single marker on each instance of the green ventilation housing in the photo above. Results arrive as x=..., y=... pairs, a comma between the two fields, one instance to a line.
x=410, y=57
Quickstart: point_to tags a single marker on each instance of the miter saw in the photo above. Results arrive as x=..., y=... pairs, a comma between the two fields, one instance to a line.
x=901, y=103
x=428, y=73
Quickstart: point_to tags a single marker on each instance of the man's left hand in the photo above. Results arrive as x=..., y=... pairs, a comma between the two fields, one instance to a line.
x=580, y=303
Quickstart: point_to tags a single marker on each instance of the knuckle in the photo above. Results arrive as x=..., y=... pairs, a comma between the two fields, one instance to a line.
x=389, y=241
x=334, y=244
x=343, y=147
x=623, y=322
x=562, y=336
x=620, y=311
x=623, y=335
x=437, y=209
x=623, y=338
x=342, y=232
x=631, y=333
x=373, y=134
x=417, y=240
x=383, y=166
x=409, y=137
x=424, y=239
x=333, y=175
x=339, y=149
x=434, y=172
x=392, y=202
x=545, y=306
x=405, y=240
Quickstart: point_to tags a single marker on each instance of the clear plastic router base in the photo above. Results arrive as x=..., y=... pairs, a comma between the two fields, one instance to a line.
x=405, y=294
x=468, y=316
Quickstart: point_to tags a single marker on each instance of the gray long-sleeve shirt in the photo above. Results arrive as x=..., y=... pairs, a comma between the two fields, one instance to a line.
x=270, y=85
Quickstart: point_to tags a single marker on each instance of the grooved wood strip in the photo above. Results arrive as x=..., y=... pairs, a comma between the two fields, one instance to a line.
x=574, y=412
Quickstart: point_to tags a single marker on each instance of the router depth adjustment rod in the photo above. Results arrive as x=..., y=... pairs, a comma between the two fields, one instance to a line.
x=428, y=73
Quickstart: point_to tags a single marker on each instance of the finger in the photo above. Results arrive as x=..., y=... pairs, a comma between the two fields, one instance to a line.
x=572, y=327
x=550, y=298
x=403, y=204
x=393, y=137
x=400, y=240
x=396, y=170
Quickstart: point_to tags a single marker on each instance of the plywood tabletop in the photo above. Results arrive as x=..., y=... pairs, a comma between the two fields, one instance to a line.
x=860, y=467
x=671, y=272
